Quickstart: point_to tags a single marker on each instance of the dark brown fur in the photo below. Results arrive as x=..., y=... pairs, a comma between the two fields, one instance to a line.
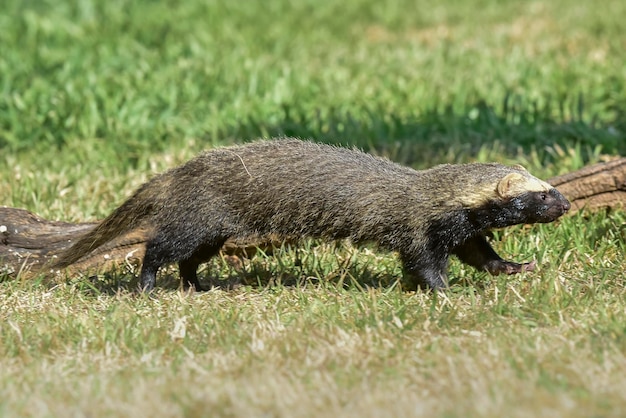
x=299, y=189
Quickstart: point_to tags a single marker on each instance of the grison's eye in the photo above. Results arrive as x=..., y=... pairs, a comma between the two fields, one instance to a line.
x=543, y=196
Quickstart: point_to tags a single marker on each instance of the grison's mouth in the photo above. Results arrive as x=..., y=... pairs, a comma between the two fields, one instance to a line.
x=552, y=214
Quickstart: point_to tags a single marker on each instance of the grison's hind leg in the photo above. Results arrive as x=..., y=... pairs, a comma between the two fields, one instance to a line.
x=189, y=267
x=478, y=253
x=171, y=247
x=150, y=266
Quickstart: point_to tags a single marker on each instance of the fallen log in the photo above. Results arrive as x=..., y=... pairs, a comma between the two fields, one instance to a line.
x=595, y=186
x=28, y=243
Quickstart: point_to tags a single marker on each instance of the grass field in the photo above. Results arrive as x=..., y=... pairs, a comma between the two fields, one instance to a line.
x=95, y=97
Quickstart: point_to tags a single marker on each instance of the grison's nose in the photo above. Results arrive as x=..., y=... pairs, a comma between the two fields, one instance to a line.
x=566, y=206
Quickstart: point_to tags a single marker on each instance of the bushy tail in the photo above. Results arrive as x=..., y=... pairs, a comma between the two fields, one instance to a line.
x=124, y=219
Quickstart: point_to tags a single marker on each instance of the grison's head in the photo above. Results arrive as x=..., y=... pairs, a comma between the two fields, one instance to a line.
x=536, y=199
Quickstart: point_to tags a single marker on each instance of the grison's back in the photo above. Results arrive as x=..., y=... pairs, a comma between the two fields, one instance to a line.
x=294, y=187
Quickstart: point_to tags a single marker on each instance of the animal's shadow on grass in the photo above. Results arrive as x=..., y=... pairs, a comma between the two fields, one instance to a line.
x=334, y=264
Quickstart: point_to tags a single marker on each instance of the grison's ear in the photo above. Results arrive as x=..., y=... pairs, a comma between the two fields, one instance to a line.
x=510, y=184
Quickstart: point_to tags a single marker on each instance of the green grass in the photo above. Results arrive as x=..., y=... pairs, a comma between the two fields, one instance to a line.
x=96, y=96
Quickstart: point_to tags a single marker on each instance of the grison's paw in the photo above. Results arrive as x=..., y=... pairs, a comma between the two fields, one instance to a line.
x=509, y=267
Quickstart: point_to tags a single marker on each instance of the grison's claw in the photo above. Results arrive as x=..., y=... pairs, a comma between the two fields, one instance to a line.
x=509, y=267
x=529, y=266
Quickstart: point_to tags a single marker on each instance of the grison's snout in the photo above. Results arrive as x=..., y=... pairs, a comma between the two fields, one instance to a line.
x=557, y=205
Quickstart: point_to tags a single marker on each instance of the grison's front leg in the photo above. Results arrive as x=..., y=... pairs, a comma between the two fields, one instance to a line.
x=427, y=271
x=478, y=253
